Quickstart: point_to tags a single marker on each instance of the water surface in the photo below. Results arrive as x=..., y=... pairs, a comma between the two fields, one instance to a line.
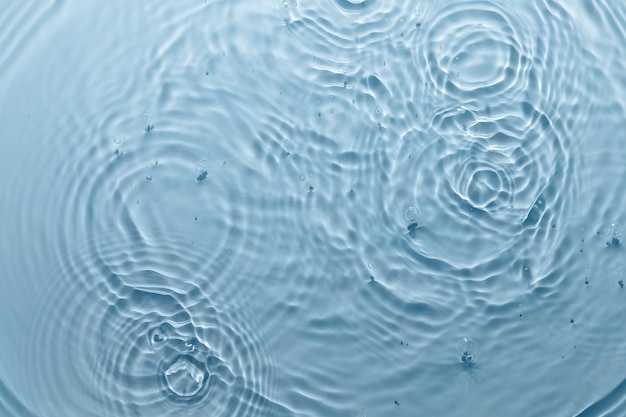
x=295, y=208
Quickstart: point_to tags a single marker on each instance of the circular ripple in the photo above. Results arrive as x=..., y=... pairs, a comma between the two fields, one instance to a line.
x=478, y=52
x=471, y=50
x=334, y=27
x=483, y=186
x=140, y=331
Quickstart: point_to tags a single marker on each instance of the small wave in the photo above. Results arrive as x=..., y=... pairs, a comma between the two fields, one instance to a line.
x=136, y=331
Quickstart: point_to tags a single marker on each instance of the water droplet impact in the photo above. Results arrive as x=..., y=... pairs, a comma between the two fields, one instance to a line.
x=468, y=349
x=184, y=378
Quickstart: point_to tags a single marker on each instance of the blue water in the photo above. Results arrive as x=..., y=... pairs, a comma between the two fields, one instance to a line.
x=312, y=208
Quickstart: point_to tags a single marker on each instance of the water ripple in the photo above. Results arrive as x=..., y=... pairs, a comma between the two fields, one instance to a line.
x=471, y=50
x=338, y=28
x=505, y=177
x=148, y=335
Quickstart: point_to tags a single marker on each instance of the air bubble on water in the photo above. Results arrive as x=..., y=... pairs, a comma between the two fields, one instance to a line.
x=411, y=214
x=118, y=138
x=184, y=378
x=158, y=337
x=467, y=349
x=288, y=144
x=302, y=177
x=147, y=116
x=378, y=110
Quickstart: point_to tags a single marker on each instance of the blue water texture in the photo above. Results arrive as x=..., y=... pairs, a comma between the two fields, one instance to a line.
x=329, y=208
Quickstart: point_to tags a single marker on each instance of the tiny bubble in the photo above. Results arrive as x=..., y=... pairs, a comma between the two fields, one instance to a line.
x=571, y=322
x=196, y=219
x=520, y=315
x=311, y=189
x=418, y=25
x=372, y=278
x=621, y=283
x=149, y=178
x=149, y=128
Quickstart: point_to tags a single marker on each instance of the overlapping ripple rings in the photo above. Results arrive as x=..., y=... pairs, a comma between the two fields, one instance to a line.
x=338, y=28
x=474, y=50
x=503, y=184
x=151, y=310
x=492, y=165
x=147, y=335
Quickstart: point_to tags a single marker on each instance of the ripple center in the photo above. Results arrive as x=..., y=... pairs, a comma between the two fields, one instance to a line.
x=184, y=377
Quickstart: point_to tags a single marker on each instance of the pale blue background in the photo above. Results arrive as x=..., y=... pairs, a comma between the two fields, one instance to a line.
x=313, y=203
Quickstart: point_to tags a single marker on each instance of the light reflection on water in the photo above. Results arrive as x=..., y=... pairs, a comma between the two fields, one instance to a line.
x=331, y=208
